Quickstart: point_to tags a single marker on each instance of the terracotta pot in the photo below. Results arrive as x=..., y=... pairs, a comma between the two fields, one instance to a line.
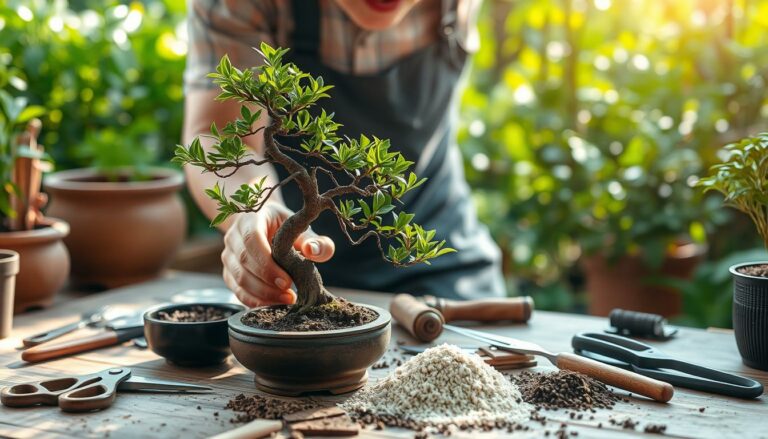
x=9, y=266
x=43, y=263
x=623, y=283
x=750, y=316
x=292, y=363
x=123, y=231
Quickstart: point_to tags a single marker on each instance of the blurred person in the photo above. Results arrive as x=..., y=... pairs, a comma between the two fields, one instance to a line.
x=395, y=66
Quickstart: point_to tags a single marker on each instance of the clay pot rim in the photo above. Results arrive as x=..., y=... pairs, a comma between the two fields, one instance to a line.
x=53, y=229
x=9, y=262
x=166, y=180
x=149, y=313
x=383, y=319
x=733, y=269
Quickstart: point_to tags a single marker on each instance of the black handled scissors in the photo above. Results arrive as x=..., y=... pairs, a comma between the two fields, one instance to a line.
x=646, y=360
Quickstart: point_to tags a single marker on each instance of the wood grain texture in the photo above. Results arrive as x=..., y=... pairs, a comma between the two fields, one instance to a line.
x=155, y=415
x=611, y=375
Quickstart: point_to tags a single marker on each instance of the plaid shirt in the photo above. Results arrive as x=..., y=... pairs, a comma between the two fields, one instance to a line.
x=234, y=27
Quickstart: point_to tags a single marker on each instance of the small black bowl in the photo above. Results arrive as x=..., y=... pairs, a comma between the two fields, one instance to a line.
x=189, y=344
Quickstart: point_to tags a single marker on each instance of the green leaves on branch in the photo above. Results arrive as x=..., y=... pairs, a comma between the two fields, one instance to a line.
x=247, y=198
x=412, y=244
x=743, y=179
x=285, y=96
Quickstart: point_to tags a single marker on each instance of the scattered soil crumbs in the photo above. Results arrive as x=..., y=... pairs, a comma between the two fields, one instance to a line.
x=655, y=428
x=264, y=407
x=444, y=388
x=334, y=315
x=195, y=313
x=564, y=389
x=755, y=270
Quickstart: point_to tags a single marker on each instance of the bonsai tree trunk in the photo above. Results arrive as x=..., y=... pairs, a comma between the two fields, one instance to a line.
x=309, y=285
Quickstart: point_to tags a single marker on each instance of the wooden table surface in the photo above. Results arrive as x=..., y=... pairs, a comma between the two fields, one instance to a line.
x=190, y=416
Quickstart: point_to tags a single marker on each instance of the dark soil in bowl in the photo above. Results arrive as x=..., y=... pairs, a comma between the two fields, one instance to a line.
x=755, y=270
x=338, y=314
x=195, y=313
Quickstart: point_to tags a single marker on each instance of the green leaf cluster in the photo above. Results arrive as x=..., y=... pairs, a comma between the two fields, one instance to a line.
x=373, y=173
x=742, y=178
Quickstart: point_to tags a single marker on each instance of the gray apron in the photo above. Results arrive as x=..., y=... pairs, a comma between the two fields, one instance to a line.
x=410, y=103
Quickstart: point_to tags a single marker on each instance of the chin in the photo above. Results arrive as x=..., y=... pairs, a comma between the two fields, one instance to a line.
x=376, y=14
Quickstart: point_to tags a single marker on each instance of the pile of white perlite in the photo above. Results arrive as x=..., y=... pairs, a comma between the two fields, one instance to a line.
x=443, y=385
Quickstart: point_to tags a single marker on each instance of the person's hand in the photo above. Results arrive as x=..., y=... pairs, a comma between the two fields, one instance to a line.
x=249, y=269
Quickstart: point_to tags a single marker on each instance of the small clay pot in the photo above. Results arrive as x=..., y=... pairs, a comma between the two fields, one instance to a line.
x=43, y=263
x=123, y=231
x=9, y=266
x=750, y=316
x=189, y=344
x=293, y=363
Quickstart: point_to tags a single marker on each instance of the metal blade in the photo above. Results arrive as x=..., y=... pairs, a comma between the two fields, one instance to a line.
x=141, y=383
x=505, y=343
x=413, y=350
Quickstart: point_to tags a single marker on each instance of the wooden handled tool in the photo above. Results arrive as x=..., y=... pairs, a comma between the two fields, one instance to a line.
x=514, y=309
x=425, y=319
x=49, y=351
x=611, y=375
x=423, y=322
x=254, y=429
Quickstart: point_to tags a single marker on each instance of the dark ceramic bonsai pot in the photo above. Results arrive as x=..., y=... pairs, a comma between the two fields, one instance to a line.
x=750, y=316
x=293, y=363
x=189, y=344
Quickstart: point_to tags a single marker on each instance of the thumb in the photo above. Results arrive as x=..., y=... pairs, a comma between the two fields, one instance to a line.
x=315, y=247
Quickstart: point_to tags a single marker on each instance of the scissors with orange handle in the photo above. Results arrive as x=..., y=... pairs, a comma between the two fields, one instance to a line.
x=86, y=393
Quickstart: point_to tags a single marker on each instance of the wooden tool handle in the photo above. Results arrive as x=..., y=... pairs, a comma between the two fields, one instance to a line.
x=50, y=351
x=613, y=376
x=253, y=429
x=423, y=322
x=515, y=309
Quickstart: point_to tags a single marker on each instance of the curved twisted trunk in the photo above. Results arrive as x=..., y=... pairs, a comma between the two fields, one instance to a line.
x=309, y=285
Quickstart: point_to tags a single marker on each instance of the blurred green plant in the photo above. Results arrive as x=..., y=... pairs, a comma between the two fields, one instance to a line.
x=742, y=178
x=14, y=115
x=590, y=138
x=108, y=71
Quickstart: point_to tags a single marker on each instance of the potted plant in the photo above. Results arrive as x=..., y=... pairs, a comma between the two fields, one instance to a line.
x=126, y=216
x=43, y=258
x=322, y=342
x=742, y=178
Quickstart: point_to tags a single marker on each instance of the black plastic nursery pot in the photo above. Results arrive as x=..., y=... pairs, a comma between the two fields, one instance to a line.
x=750, y=316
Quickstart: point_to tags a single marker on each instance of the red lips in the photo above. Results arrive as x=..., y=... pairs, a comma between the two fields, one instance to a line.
x=383, y=5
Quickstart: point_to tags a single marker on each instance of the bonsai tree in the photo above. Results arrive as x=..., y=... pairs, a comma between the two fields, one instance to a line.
x=373, y=175
x=20, y=163
x=743, y=179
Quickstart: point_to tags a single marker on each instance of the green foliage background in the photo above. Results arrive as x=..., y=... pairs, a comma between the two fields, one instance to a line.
x=584, y=123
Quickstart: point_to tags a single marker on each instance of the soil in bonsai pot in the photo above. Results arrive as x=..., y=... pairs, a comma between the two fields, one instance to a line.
x=760, y=270
x=195, y=313
x=337, y=314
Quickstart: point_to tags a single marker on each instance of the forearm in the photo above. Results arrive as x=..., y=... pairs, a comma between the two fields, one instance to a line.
x=200, y=110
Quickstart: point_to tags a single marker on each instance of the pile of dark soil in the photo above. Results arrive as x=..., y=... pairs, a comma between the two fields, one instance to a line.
x=564, y=389
x=755, y=270
x=337, y=314
x=264, y=407
x=195, y=313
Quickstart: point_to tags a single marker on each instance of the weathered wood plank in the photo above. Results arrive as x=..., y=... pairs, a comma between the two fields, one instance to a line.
x=155, y=415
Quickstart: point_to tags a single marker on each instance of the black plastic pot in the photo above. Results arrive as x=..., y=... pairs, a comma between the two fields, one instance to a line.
x=9, y=266
x=750, y=316
x=189, y=344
